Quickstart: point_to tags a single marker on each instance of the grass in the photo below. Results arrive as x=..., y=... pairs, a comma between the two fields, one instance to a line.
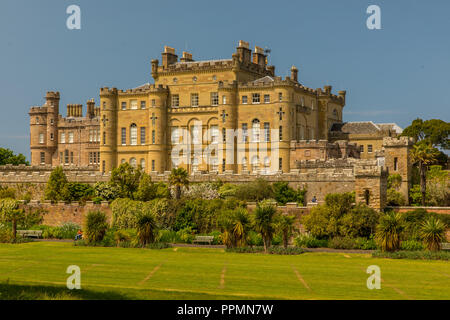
x=37, y=270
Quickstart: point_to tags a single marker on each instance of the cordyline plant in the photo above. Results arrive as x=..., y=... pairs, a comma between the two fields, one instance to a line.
x=432, y=233
x=10, y=212
x=389, y=231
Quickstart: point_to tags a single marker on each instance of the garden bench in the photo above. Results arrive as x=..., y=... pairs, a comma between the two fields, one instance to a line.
x=445, y=246
x=30, y=233
x=208, y=239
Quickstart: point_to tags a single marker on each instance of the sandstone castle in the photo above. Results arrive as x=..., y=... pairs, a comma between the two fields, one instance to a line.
x=210, y=103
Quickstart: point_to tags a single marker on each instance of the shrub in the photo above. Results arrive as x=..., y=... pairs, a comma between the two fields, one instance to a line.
x=433, y=233
x=206, y=191
x=106, y=191
x=146, y=190
x=411, y=245
x=395, y=198
x=284, y=194
x=422, y=255
x=389, y=231
x=342, y=243
x=257, y=190
x=365, y=244
x=272, y=250
x=264, y=221
x=360, y=221
x=147, y=229
x=97, y=200
x=309, y=242
x=126, y=179
x=235, y=225
x=55, y=185
x=95, y=226
x=285, y=226
x=158, y=245
x=124, y=235
x=254, y=239
x=76, y=191
x=168, y=236
x=186, y=235
x=125, y=212
x=7, y=193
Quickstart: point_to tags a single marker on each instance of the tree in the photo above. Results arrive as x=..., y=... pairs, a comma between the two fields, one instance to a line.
x=146, y=190
x=283, y=193
x=434, y=131
x=241, y=226
x=285, y=225
x=56, y=184
x=95, y=226
x=423, y=154
x=7, y=156
x=264, y=222
x=146, y=228
x=10, y=212
x=178, y=178
x=126, y=178
x=389, y=231
x=433, y=233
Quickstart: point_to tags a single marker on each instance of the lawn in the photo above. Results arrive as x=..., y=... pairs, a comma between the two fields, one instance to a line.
x=38, y=270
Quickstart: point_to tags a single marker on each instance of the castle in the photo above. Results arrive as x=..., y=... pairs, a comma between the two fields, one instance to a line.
x=231, y=116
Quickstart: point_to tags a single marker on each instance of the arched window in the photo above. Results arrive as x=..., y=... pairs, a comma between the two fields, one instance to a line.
x=133, y=134
x=143, y=164
x=266, y=164
x=255, y=163
x=255, y=130
x=133, y=162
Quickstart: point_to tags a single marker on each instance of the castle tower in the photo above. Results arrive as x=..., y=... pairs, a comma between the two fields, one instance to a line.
x=108, y=129
x=44, y=130
x=283, y=116
x=227, y=120
x=159, y=134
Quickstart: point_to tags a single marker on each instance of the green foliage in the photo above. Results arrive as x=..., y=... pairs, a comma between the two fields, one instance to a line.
x=306, y=241
x=228, y=190
x=394, y=181
x=416, y=255
x=433, y=233
x=415, y=195
x=76, y=191
x=438, y=187
x=264, y=222
x=10, y=212
x=147, y=228
x=126, y=179
x=178, y=178
x=434, y=131
x=395, y=198
x=389, y=231
x=272, y=250
x=337, y=218
x=7, y=192
x=55, y=185
x=106, y=191
x=124, y=235
x=284, y=194
x=235, y=225
x=125, y=212
x=286, y=226
x=257, y=190
x=32, y=218
x=7, y=156
x=411, y=245
x=200, y=215
x=95, y=226
x=352, y=243
x=66, y=231
x=146, y=190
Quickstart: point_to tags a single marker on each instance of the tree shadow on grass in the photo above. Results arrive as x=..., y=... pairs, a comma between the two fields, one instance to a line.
x=10, y=291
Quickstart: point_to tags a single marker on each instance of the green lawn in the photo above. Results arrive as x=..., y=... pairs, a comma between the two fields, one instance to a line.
x=38, y=270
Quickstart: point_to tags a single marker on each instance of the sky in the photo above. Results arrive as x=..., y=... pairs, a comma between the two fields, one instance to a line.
x=395, y=74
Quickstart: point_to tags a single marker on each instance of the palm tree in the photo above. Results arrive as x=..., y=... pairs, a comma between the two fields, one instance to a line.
x=146, y=228
x=432, y=233
x=423, y=154
x=178, y=178
x=389, y=230
x=9, y=211
x=285, y=225
x=241, y=226
x=264, y=222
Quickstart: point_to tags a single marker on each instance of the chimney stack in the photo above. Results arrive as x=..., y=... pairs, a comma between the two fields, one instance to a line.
x=187, y=57
x=168, y=57
x=244, y=52
x=90, y=108
x=294, y=74
x=259, y=57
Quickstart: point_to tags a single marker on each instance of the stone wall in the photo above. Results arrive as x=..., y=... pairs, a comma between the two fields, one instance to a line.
x=440, y=210
x=318, y=177
x=60, y=213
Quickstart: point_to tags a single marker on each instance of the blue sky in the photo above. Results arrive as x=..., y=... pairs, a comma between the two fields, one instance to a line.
x=395, y=74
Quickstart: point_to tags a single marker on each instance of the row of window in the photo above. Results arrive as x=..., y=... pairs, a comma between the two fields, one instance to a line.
x=134, y=135
x=369, y=148
x=214, y=98
x=134, y=104
x=94, y=157
x=133, y=163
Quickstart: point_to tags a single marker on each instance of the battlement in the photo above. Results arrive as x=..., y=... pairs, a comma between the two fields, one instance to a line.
x=52, y=95
x=36, y=109
x=108, y=91
x=398, y=142
x=149, y=88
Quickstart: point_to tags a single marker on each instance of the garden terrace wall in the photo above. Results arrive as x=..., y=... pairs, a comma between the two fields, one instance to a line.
x=60, y=213
x=318, y=177
x=441, y=210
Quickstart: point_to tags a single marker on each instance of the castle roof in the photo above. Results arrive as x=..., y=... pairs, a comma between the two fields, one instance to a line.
x=364, y=127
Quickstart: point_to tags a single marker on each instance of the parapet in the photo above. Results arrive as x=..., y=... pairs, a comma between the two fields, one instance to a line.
x=52, y=95
x=398, y=142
